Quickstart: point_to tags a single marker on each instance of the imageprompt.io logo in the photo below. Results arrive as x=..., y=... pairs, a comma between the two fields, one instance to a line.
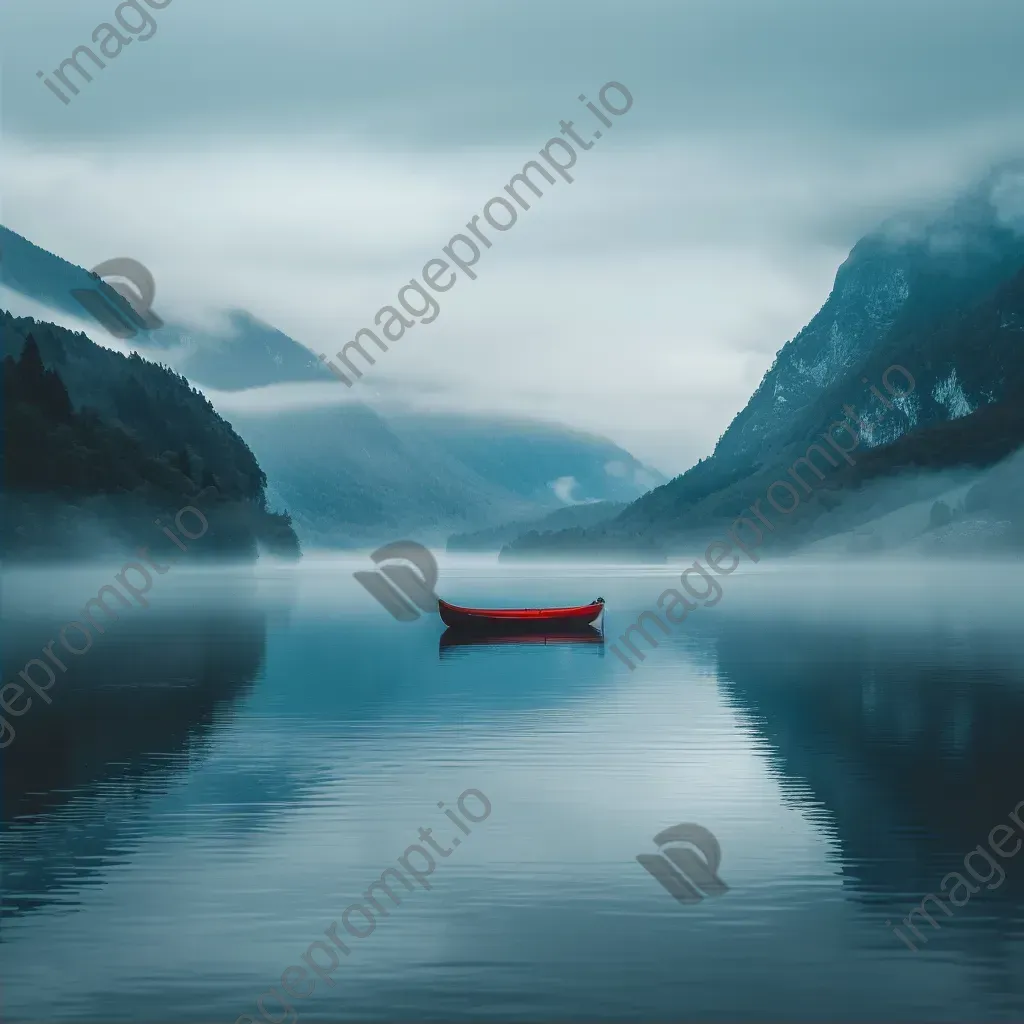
x=398, y=588
x=123, y=309
x=683, y=872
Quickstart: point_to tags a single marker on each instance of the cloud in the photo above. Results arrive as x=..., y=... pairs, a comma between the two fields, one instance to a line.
x=251, y=162
x=1008, y=197
x=17, y=304
x=277, y=398
x=563, y=488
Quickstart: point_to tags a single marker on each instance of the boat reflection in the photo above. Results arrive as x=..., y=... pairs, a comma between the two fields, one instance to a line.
x=453, y=640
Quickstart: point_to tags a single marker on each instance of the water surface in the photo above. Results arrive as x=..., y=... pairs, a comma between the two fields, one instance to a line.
x=228, y=770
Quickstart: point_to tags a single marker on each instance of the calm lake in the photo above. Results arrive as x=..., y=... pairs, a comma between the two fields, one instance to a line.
x=227, y=771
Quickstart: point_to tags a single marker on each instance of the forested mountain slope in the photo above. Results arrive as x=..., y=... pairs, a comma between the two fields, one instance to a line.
x=97, y=444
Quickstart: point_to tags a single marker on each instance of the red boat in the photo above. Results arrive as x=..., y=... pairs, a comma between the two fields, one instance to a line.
x=520, y=620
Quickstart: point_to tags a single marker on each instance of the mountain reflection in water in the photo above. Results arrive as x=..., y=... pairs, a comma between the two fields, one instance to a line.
x=227, y=773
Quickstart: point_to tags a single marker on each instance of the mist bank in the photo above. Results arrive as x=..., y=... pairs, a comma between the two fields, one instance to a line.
x=937, y=513
x=912, y=513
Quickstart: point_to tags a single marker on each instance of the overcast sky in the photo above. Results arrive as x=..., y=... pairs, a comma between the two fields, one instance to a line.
x=304, y=160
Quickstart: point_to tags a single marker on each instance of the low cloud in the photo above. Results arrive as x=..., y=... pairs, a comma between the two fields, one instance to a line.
x=1008, y=197
x=644, y=302
x=563, y=488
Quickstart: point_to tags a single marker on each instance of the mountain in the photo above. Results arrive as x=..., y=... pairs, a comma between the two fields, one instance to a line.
x=350, y=474
x=546, y=463
x=246, y=353
x=97, y=445
x=589, y=513
x=939, y=297
x=924, y=492
x=902, y=279
x=966, y=414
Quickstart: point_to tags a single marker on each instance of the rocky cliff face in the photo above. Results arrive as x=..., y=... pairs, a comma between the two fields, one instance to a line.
x=871, y=289
x=905, y=277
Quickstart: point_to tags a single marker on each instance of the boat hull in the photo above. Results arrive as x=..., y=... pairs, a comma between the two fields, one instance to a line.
x=519, y=620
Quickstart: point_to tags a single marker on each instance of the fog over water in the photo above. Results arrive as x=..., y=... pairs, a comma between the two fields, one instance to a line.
x=239, y=761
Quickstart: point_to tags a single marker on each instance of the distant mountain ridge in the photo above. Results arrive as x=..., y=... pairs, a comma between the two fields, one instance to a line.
x=351, y=478
x=495, y=538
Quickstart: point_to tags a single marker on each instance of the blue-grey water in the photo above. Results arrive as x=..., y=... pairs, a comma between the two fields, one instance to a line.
x=227, y=771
